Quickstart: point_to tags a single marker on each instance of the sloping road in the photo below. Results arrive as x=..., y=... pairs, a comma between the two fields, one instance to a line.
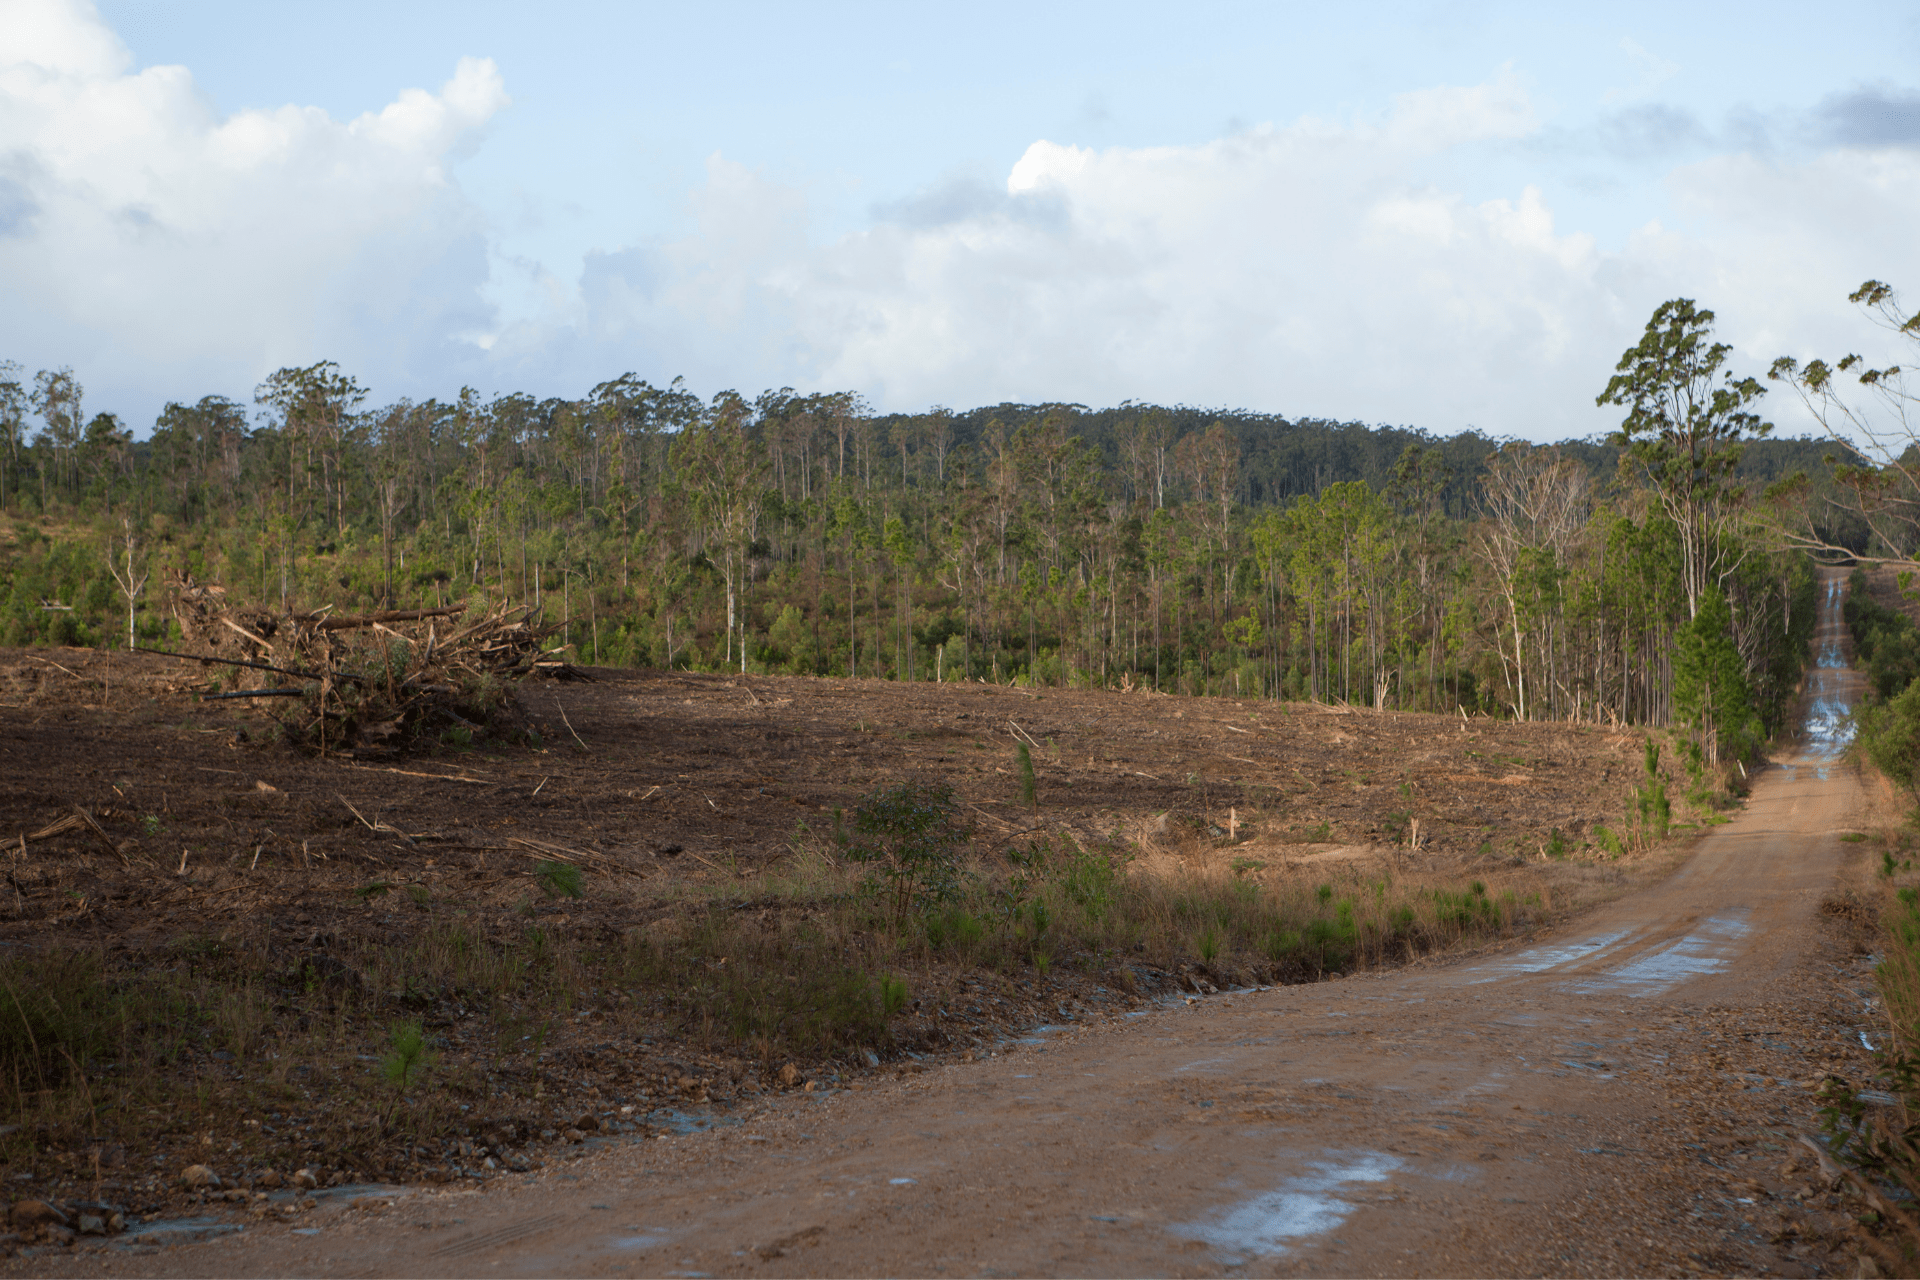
x=1522, y=1113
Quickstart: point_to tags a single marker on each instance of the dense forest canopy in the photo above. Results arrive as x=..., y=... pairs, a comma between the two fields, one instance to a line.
x=1649, y=578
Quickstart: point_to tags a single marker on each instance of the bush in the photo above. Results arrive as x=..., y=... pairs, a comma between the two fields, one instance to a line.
x=1889, y=736
x=559, y=879
x=910, y=836
x=1885, y=641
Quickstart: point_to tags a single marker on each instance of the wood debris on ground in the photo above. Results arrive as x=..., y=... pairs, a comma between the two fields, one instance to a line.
x=374, y=684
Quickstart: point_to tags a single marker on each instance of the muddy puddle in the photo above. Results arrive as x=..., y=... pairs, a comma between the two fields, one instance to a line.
x=1308, y=1204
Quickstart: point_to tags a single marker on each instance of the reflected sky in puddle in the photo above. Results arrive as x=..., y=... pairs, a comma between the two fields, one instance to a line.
x=175, y=1231
x=1539, y=959
x=650, y=1240
x=1708, y=949
x=1829, y=725
x=1302, y=1206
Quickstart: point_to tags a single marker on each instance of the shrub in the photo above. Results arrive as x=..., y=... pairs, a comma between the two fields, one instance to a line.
x=1889, y=736
x=910, y=836
x=559, y=879
x=954, y=929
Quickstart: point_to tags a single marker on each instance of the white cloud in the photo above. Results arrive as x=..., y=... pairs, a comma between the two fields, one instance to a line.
x=1654, y=72
x=1329, y=267
x=1299, y=269
x=155, y=244
x=1304, y=269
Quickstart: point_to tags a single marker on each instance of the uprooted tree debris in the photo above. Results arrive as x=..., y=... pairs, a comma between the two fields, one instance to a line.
x=373, y=684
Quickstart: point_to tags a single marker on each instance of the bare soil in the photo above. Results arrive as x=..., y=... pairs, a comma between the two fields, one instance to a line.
x=1527, y=1110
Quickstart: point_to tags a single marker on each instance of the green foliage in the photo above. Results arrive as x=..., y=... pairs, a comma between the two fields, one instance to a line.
x=1688, y=422
x=1652, y=808
x=1710, y=691
x=1023, y=767
x=910, y=836
x=1608, y=840
x=1885, y=641
x=407, y=1055
x=954, y=929
x=1889, y=736
x=1209, y=944
x=559, y=879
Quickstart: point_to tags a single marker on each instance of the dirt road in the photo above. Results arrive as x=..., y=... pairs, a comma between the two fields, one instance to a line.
x=1621, y=1099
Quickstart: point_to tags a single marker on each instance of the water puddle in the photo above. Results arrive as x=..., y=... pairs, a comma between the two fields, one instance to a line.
x=648, y=1240
x=1708, y=950
x=170, y=1231
x=1302, y=1206
x=1540, y=959
x=674, y=1121
x=1829, y=726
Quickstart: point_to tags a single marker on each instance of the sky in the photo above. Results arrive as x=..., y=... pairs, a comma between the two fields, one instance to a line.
x=1440, y=215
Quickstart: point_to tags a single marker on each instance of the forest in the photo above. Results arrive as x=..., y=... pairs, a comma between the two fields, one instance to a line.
x=1661, y=576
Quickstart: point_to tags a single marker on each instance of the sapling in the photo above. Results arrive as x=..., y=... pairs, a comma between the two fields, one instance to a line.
x=407, y=1054
x=1023, y=762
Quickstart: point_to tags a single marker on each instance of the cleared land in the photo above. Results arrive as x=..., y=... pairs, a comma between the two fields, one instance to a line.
x=1514, y=1121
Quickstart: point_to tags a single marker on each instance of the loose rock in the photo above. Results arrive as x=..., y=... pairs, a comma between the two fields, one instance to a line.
x=587, y=1123
x=305, y=1179
x=198, y=1177
x=789, y=1076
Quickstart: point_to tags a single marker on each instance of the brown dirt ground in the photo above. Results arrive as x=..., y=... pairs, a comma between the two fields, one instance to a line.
x=669, y=783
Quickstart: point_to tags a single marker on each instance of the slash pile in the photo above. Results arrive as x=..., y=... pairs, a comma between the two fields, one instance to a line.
x=377, y=684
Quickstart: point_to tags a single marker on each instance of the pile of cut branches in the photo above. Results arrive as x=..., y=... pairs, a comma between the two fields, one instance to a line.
x=379, y=683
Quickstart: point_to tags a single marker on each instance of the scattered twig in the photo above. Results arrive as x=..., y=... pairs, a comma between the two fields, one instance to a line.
x=543, y=782
x=703, y=862
x=1019, y=732
x=570, y=729
x=387, y=827
x=561, y=853
x=411, y=773
x=255, y=693
x=50, y=662
x=355, y=812
x=78, y=820
x=991, y=817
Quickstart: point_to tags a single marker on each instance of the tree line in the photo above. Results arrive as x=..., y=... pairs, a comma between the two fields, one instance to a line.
x=1651, y=578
